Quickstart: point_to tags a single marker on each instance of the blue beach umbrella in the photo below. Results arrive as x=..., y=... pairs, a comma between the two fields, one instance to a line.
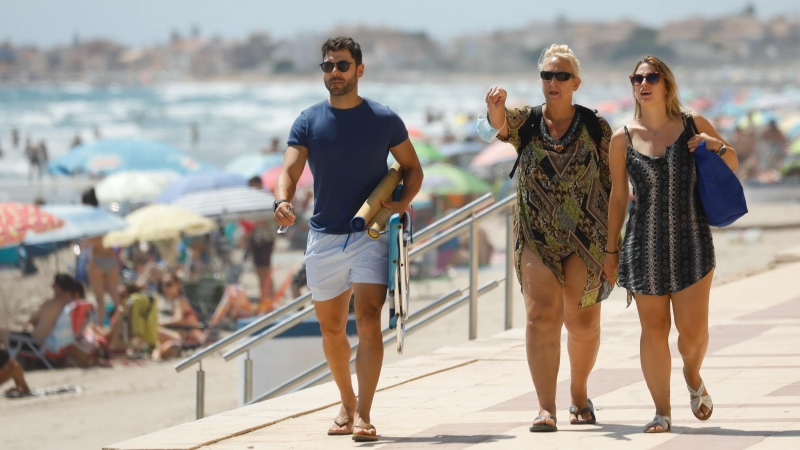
x=80, y=221
x=197, y=182
x=253, y=164
x=462, y=148
x=107, y=156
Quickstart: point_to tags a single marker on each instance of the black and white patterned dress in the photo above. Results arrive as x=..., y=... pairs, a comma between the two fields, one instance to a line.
x=668, y=245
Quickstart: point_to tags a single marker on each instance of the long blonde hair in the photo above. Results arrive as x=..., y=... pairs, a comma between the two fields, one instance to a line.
x=673, y=100
x=564, y=52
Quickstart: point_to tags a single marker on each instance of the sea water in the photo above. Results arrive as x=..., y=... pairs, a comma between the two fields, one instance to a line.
x=231, y=118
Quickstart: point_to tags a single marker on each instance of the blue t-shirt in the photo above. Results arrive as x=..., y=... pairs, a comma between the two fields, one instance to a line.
x=347, y=152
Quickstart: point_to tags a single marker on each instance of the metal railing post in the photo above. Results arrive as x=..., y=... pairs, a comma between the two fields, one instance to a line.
x=510, y=269
x=201, y=392
x=248, y=379
x=473, y=278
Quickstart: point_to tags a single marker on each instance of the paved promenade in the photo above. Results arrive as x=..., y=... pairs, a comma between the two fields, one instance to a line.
x=480, y=395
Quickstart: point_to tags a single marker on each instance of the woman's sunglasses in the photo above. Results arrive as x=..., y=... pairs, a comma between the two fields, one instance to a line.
x=560, y=76
x=652, y=78
x=328, y=66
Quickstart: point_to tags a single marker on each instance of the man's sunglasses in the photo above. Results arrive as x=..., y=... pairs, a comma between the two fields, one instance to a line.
x=652, y=78
x=560, y=76
x=328, y=66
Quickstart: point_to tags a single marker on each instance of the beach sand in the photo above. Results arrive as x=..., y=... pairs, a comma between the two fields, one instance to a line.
x=138, y=398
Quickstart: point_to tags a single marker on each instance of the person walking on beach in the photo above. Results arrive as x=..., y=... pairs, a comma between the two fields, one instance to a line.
x=560, y=228
x=34, y=161
x=102, y=267
x=347, y=139
x=667, y=258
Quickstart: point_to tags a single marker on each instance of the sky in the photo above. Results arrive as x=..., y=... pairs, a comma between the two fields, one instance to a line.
x=143, y=22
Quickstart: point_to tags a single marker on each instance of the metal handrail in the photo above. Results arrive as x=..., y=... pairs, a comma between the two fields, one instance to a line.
x=455, y=216
x=250, y=328
x=289, y=318
x=461, y=228
x=321, y=366
x=450, y=307
x=437, y=240
x=282, y=326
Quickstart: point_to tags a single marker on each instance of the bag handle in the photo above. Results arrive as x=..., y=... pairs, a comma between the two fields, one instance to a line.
x=689, y=121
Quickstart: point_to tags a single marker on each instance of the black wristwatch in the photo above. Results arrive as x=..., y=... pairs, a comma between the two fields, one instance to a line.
x=276, y=203
x=722, y=150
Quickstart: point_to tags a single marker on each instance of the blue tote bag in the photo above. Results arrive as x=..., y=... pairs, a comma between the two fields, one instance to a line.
x=721, y=192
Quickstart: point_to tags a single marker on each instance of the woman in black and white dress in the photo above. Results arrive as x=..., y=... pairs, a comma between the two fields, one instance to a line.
x=667, y=257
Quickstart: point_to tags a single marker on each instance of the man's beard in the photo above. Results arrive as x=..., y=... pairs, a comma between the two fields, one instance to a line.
x=345, y=88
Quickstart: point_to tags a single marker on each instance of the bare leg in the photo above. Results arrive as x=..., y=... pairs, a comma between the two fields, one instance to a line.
x=544, y=306
x=97, y=284
x=583, y=327
x=111, y=281
x=691, y=319
x=654, y=316
x=265, y=281
x=332, y=316
x=369, y=299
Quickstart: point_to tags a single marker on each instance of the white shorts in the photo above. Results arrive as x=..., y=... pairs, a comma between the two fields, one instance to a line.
x=332, y=268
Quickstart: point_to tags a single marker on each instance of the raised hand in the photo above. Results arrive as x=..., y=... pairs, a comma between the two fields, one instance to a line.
x=496, y=98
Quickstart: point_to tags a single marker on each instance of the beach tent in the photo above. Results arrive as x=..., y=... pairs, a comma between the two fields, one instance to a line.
x=107, y=156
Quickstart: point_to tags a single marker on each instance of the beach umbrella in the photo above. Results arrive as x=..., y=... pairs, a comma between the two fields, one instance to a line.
x=270, y=177
x=497, y=152
x=133, y=186
x=159, y=222
x=795, y=147
x=443, y=179
x=107, y=156
x=462, y=148
x=80, y=221
x=426, y=153
x=16, y=219
x=231, y=203
x=198, y=182
x=253, y=164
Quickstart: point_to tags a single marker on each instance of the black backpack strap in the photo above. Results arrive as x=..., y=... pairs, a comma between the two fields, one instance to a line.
x=526, y=133
x=592, y=122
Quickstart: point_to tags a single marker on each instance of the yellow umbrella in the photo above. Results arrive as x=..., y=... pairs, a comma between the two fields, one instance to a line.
x=159, y=222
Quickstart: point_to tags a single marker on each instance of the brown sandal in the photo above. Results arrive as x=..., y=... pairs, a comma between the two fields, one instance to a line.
x=363, y=436
x=340, y=422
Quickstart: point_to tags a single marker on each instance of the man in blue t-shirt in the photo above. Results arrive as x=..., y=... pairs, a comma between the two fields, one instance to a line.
x=346, y=140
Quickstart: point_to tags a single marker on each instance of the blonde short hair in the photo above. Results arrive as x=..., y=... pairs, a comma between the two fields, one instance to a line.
x=564, y=52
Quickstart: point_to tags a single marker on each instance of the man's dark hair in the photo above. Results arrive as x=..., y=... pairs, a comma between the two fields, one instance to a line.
x=65, y=282
x=341, y=43
x=4, y=356
x=89, y=197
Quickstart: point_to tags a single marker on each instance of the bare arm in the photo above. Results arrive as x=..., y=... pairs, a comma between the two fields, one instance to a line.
x=496, y=105
x=617, y=202
x=177, y=314
x=294, y=161
x=713, y=141
x=412, y=176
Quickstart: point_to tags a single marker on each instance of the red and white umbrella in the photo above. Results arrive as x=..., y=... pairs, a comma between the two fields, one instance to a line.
x=17, y=218
x=497, y=152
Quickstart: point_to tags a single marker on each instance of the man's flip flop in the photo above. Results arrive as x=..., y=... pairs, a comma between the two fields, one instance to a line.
x=363, y=436
x=589, y=409
x=543, y=427
x=341, y=422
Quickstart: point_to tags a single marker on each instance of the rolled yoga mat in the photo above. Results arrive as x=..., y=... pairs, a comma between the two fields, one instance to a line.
x=383, y=191
x=379, y=223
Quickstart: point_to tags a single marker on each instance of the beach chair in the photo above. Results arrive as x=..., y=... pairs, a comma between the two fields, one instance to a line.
x=70, y=325
x=400, y=233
